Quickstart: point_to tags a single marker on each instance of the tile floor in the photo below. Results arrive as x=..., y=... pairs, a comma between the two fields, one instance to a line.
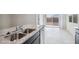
x=55, y=35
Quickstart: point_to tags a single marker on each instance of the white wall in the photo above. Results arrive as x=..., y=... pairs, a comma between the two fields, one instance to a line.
x=12, y=20
x=37, y=19
x=4, y=21
x=62, y=21
x=41, y=19
x=44, y=18
x=23, y=19
x=71, y=26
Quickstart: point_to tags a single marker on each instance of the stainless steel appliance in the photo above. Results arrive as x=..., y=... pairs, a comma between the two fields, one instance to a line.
x=77, y=36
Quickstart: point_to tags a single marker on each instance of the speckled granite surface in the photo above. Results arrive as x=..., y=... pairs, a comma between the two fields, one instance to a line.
x=19, y=41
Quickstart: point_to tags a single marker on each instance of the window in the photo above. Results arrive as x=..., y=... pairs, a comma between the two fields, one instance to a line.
x=70, y=18
x=75, y=18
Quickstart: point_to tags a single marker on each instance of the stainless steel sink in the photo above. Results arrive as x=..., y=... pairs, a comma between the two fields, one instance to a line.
x=18, y=35
x=28, y=30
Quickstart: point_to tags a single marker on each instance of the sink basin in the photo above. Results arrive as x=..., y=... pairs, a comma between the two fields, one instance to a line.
x=28, y=30
x=20, y=35
x=17, y=36
x=13, y=37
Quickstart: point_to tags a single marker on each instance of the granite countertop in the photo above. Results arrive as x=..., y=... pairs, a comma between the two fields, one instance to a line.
x=19, y=41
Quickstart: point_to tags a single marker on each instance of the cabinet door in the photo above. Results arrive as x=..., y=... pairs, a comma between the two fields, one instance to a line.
x=37, y=41
x=77, y=38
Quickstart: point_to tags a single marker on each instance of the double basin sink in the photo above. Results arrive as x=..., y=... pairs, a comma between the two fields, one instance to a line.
x=20, y=35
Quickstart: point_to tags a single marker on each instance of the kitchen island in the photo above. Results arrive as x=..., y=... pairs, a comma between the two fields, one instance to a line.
x=31, y=38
